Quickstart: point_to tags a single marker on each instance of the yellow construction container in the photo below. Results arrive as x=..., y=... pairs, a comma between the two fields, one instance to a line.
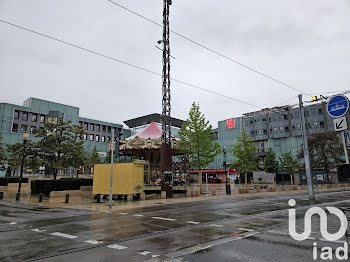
x=128, y=178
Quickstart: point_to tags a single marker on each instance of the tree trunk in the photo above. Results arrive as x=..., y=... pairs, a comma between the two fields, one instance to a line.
x=291, y=179
x=246, y=180
x=274, y=178
x=55, y=174
x=200, y=180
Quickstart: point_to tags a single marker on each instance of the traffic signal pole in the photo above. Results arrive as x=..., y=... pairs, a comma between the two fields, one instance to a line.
x=306, y=151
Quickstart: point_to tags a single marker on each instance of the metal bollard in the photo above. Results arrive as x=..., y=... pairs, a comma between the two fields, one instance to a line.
x=67, y=198
x=18, y=196
x=1, y=195
x=41, y=197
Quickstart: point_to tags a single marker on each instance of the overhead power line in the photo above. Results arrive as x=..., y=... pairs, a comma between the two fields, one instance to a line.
x=211, y=50
x=122, y=62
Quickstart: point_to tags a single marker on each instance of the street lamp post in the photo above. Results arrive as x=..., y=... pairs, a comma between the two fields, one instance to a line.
x=228, y=188
x=25, y=139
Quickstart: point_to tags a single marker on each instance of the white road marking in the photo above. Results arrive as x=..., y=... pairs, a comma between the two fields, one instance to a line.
x=118, y=247
x=214, y=225
x=13, y=223
x=138, y=215
x=144, y=253
x=164, y=218
x=154, y=256
x=123, y=214
x=59, y=234
x=38, y=230
x=246, y=229
x=193, y=222
x=93, y=242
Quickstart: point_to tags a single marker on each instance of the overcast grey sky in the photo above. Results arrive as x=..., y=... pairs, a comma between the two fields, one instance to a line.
x=303, y=43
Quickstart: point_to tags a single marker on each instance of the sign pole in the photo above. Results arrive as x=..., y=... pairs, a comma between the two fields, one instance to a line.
x=306, y=151
x=345, y=148
x=111, y=184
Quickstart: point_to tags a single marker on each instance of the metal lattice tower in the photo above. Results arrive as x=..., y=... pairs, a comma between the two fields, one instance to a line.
x=166, y=161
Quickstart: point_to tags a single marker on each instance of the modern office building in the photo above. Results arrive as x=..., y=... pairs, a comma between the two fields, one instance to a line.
x=278, y=128
x=18, y=119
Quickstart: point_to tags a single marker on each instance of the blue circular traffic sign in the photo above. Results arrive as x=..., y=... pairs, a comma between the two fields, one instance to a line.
x=338, y=106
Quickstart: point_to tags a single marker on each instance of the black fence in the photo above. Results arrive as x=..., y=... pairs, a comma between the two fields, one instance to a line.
x=4, y=181
x=46, y=186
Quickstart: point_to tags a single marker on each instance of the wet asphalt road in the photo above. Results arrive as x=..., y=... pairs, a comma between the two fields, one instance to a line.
x=247, y=229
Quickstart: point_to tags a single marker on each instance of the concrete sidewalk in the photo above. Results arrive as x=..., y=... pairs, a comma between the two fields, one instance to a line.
x=80, y=199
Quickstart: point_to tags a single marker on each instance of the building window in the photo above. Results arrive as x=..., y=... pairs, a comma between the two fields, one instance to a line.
x=98, y=128
x=92, y=127
x=281, y=128
x=97, y=138
x=108, y=138
x=23, y=128
x=15, y=128
x=34, y=117
x=103, y=139
x=320, y=111
x=42, y=119
x=315, y=123
x=115, y=131
x=25, y=116
x=91, y=137
x=286, y=129
x=285, y=117
x=293, y=128
x=322, y=124
x=299, y=126
x=104, y=129
x=252, y=133
x=275, y=129
x=32, y=129
x=260, y=132
x=16, y=115
x=84, y=136
x=109, y=129
x=264, y=119
x=297, y=115
x=86, y=126
x=265, y=132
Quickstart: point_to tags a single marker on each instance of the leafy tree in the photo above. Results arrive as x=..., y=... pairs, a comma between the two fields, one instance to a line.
x=289, y=164
x=271, y=164
x=3, y=156
x=244, y=155
x=17, y=151
x=196, y=141
x=94, y=158
x=108, y=157
x=60, y=146
x=324, y=150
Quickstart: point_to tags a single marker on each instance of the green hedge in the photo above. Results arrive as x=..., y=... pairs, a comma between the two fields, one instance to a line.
x=46, y=186
x=4, y=181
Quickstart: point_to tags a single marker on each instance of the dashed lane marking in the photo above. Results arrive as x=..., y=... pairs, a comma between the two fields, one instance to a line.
x=154, y=256
x=118, y=247
x=214, y=225
x=164, y=218
x=144, y=253
x=123, y=214
x=138, y=215
x=13, y=223
x=93, y=242
x=246, y=229
x=59, y=234
x=193, y=222
x=39, y=230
